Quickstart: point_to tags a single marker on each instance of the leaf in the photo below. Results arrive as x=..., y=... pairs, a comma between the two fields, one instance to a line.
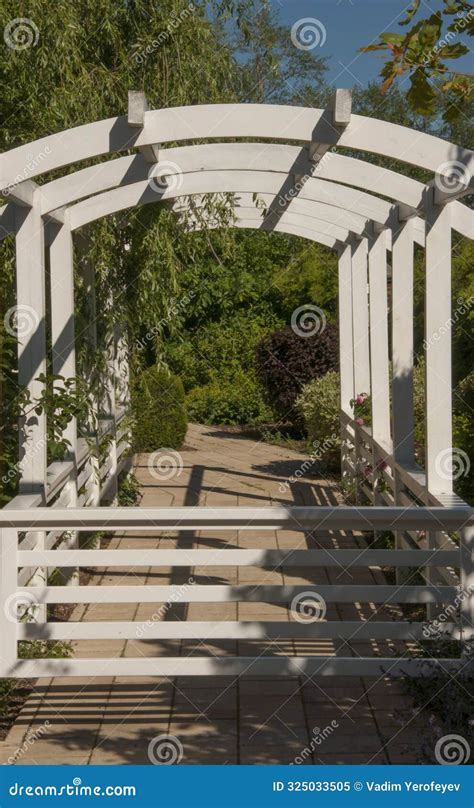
x=411, y=12
x=453, y=51
x=421, y=95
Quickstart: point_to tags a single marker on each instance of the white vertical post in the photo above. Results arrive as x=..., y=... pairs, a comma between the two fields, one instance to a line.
x=379, y=364
x=346, y=355
x=109, y=406
x=63, y=345
x=360, y=317
x=360, y=336
x=31, y=318
x=402, y=362
x=88, y=272
x=438, y=363
x=402, y=342
x=378, y=311
x=346, y=349
x=439, y=438
x=8, y=608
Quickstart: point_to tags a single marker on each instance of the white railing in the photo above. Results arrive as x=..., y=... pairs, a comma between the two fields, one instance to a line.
x=17, y=555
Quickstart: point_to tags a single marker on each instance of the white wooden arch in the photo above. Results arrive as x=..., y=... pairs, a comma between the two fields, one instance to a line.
x=349, y=205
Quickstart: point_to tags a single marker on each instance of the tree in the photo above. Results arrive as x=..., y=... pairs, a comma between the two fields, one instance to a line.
x=422, y=52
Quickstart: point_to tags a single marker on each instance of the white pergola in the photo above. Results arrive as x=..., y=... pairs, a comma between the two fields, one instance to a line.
x=357, y=208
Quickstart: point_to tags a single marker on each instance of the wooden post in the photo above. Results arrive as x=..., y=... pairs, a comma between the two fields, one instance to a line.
x=379, y=364
x=31, y=322
x=63, y=347
x=402, y=362
x=438, y=363
x=360, y=336
x=346, y=350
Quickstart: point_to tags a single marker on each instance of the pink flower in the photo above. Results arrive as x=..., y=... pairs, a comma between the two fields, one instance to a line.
x=359, y=421
x=381, y=465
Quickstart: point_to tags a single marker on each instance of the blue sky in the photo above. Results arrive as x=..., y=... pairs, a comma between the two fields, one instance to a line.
x=350, y=24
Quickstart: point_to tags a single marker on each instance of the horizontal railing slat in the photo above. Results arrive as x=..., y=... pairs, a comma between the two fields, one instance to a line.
x=242, y=518
x=225, y=557
x=233, y=666
x=194, y=593
x=227, y=629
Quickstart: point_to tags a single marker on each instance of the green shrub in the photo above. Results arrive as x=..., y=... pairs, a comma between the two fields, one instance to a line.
x=237, y=400
x=319, y=405
x=222, y=348
x=159, y=411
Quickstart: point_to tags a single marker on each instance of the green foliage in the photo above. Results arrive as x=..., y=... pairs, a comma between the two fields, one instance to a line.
x=422, y=51
x=463, y=435
x=319, y=404
x=129, y=491
x=237, y=400
x=159, y=412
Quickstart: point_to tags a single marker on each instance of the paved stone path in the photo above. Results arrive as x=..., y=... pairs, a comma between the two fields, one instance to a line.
x=223, y=720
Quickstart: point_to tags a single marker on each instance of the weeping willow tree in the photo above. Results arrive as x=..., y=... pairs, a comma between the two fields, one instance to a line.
x=65, y=64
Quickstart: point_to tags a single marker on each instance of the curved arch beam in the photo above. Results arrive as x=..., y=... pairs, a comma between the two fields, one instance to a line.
x=251, y=213
x=230, y=120
x=282, y=227
x=245, y=156
x=341, y=198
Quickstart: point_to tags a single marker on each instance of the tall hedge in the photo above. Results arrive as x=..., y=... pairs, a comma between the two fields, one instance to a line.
x=286, y=361
x=159, y=411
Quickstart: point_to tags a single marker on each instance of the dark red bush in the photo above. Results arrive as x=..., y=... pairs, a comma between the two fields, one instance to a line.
x=286, y=361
